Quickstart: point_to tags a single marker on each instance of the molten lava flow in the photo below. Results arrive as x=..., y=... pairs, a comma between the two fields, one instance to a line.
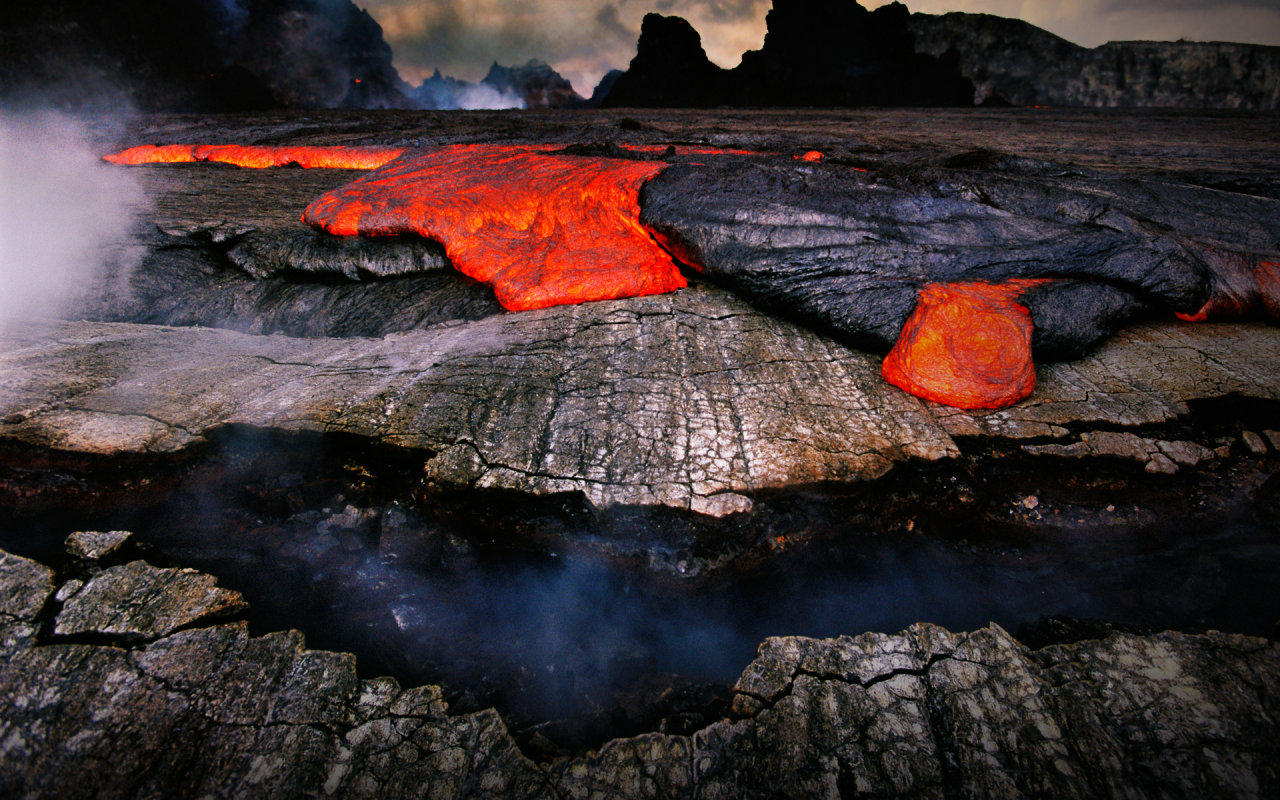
x=1241, y=286
x=966, y=345
x=812, y=155
x=370, y=157
x=541, y=229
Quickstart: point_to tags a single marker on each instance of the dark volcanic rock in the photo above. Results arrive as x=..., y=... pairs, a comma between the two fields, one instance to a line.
x=924, y=713
x=847, y=250
x=1021, y=64
x=836, y=53
x=816, y=53
x=186, y=284
x=93, y=545
x=213, y=55
x=140, y=601
x=603, y=88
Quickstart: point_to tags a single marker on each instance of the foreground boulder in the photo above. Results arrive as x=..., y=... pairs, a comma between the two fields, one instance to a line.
x=923, y=713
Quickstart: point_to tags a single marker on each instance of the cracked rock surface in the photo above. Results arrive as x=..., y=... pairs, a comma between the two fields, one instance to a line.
x=922, y=713
x=682, y=400
x=691, y=400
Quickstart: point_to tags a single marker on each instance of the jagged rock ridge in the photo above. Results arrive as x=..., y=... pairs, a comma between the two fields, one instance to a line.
x=816, y=53
x=1015, y=62
x=536, y=83
x=533, y=84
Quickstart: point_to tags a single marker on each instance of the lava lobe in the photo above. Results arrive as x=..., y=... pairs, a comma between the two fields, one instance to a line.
x=966, y=345
x=542, y=229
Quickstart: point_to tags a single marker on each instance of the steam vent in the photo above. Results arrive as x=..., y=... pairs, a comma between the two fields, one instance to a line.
x=649, y=453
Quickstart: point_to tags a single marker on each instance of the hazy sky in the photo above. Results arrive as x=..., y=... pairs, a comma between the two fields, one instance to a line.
x=585, y=39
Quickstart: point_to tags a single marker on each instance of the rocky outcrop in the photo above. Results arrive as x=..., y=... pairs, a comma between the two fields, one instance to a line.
x=816, y=53
x=533, y=84
x=923, y=713
x=536, y=83
x=1014, y=62
x=603, y=88
x=214, y=56
x=670, y=69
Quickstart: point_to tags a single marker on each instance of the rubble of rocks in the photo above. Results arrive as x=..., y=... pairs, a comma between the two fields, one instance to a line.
x=209, y=708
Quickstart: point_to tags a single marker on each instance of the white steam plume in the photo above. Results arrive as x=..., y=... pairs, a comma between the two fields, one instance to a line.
x=65, y=215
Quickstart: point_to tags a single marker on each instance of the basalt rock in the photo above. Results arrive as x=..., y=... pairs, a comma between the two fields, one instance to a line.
x=291, y=281
x=849, y=250
x=923, y=713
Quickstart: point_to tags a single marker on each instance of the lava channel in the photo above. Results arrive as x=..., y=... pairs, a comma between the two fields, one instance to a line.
x=347, y=157
x=966, y=345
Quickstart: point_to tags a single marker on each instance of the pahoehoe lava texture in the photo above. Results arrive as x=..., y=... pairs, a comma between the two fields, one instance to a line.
x=848, y=250
x=542, y=229
x=842, y=248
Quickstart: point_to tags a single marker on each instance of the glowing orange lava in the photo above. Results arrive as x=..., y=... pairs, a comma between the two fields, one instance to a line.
x=1240, y=287
x=966, y=345
x=812, y=155
x=542, y=229
x=370, y=157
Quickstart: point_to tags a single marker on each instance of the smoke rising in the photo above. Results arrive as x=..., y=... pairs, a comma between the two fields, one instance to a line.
x=65, y=216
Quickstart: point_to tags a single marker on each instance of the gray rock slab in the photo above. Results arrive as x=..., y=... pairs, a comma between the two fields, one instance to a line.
x=1143, y=375
x=93, y=545
x=691, y=400
x=25, y=586
x=1158, y=455
x=137, y=600
x=686, y=400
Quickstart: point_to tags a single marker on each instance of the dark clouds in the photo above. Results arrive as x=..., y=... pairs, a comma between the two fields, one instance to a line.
x=584, y=40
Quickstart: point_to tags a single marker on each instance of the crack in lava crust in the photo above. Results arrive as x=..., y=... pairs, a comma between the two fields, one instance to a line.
x=541, y=229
